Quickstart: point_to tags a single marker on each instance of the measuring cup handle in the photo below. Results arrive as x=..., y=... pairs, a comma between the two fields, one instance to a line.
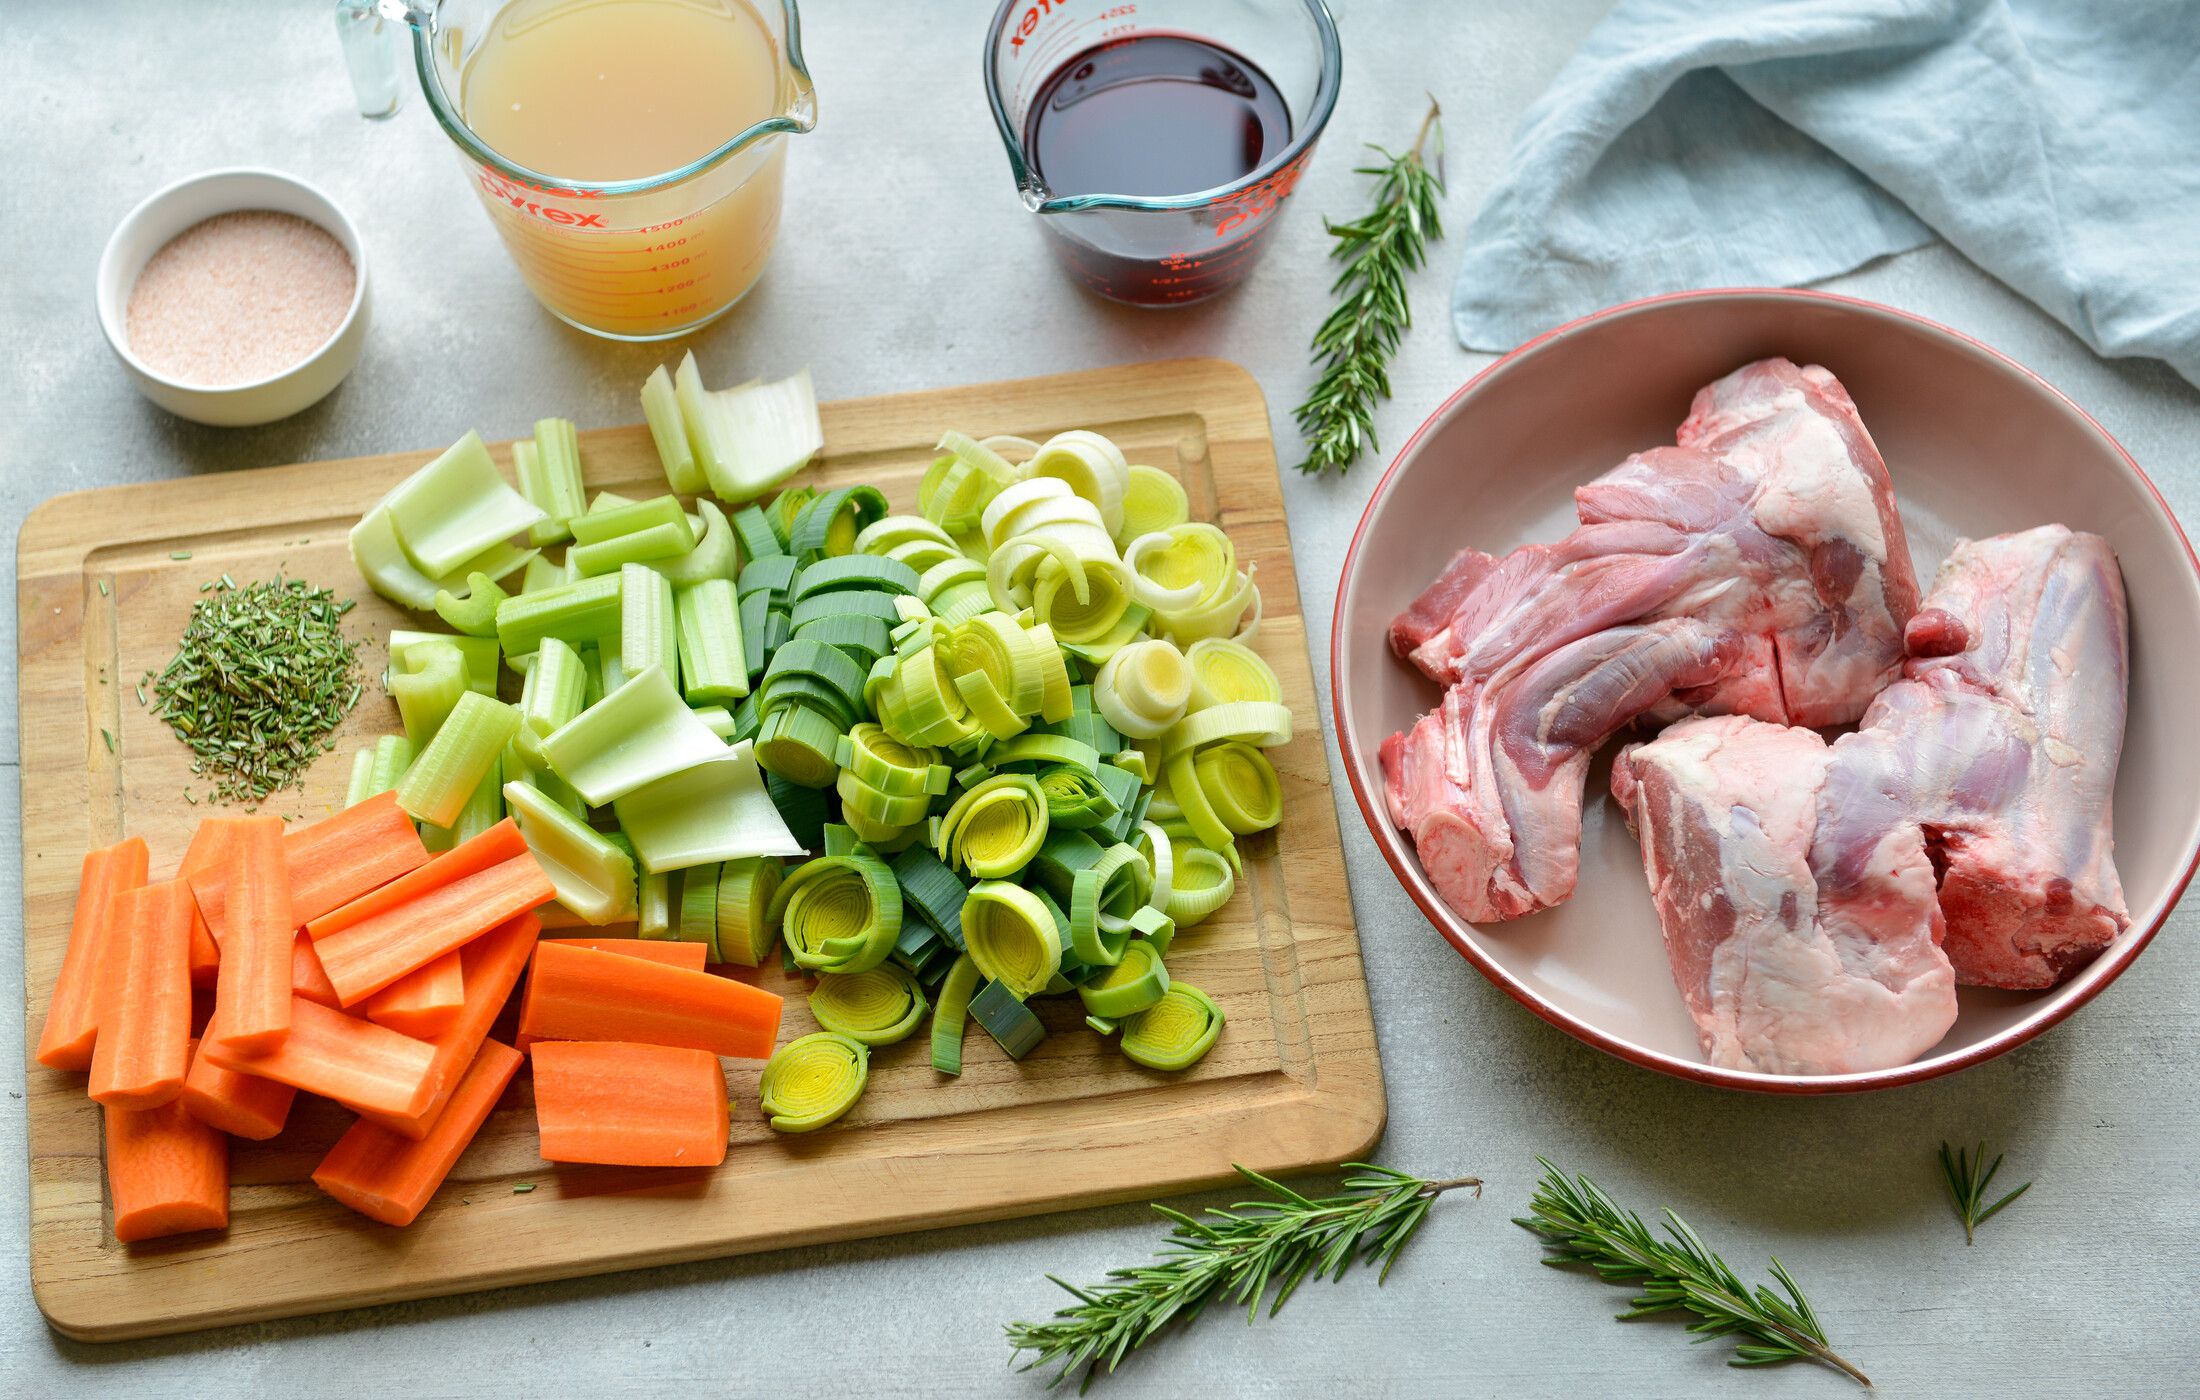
x=372, y=33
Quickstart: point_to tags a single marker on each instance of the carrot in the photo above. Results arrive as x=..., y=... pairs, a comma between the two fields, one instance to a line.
x=423, y=1002
x=492, y=847
x=337, y=859
x=252, y=995
x=208, y=851
x=629, y=1105
x=492, y=964
x=368, y=1068
x=241, y=1105
x=580, y=994
x=670, y=951
x=143, y=1049
x=72, y=1015
x=389, y=1177
x=371, y=954
x=167, y=1172
x=306, y=977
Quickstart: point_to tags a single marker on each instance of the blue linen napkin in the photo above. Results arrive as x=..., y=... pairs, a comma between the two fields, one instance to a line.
x=1695, y=143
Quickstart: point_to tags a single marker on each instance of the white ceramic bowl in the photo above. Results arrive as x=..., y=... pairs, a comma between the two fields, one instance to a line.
x=167, y=212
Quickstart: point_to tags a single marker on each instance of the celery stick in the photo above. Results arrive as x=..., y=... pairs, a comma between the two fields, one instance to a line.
x=485, y=806
x=667, y=541
x=772, y=430
x=716, y=553
x=592, y=672
x=496, y=561
x=700, y=414
x=481, y=654
x=393, y=754
x=541, y=574
x=610, y=671
x=705, y=812
x=463, y=752
x=608, y=500
x=719, y=718
x=654, y=917
x=585, y=611
x=639, y=732
x=381, y=560
x=428, y=689
x=648, y=634
x=521, y=767
x=540, y=493
x=361, y=786
x=712, y=663
x=554, y=693
x=550, y=476
x=455, y=507
x=593, y=877
x=661, y=406
x=602, y=524
x=476, y=613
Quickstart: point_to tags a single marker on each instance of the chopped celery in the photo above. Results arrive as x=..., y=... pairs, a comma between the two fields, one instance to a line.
x=426, y=690
x=484, y=809
x=455, y=507
x=481, y=655
x=592, y=672
x=608, y=524
x=608, y=500
x=541, y=574
x=393, y=754
x=555, y=468
x=648, y=634
x=771, y=431
x=711, y=811
x=640, y=732
x=716, y=554
x=661, y=406
x=361, y=786
x=610, y=671
x=712, y=663
x=654, y=917
x=582, y=611
x=553, y=693
x=522, y=767
x=463, y=752
x=594, y=878
x=719, y=718
x=700, y=414
x=667, y=541
x=527, y=466
x=476, y=613
x=381, y=560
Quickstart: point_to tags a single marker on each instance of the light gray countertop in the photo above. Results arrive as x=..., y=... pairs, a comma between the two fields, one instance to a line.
x=905, y=263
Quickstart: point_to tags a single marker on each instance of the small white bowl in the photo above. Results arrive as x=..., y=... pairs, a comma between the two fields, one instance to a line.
x=167, y=212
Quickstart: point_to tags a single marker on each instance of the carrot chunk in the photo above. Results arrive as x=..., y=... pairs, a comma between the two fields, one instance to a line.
x=144, y=1042
x=335, y=860
x=241, y=1105
x=492, y=964
x=167, y=1172
x=673, y=952
x=252, y=993
x=368, y=1068
x=578, y=993
x=423, y=1002
x=72, y=1015
x=208, y=851
x=629, y=1105
x=389, y=1177
x=368, y=956
x=306, y=977
x=498, y=844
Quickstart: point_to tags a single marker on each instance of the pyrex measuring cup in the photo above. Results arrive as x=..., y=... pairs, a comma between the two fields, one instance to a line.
x=639, y=259
x=1161, y=250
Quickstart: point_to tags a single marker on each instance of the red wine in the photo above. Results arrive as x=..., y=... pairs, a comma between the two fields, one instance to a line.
x=1157, y=115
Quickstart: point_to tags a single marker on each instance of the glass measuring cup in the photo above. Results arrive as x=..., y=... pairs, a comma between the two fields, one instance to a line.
x=638, y=259
x=1170, y=250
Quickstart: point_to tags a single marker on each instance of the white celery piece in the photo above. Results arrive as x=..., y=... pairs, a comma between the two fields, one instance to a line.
x=381, y=560
x=551, y=698
x=637, y=733
x=442, y=779
x=482, y=655
x=772, y=429
x=654, y=919
x=668, y=429
x=457, y=506
x=649, y=633
x=717, y=553
x=709, y=812
x=593, y=877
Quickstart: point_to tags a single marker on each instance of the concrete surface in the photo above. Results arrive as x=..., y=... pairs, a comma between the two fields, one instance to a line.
x=906, y=263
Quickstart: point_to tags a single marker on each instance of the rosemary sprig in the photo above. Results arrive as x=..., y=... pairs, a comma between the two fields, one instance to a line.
x=1354, y=346
x=1580, y=1224
x=1239, y=1252
x=1968, y=1179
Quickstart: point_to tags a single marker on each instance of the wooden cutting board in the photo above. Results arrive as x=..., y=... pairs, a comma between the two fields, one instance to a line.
x=1294, y=1082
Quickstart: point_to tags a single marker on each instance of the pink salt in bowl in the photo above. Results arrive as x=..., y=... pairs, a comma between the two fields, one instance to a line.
x=167, y=212
x=1976, y=445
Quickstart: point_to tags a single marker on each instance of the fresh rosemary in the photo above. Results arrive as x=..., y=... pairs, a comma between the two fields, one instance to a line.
x=1968, y=1179
x=1355, y=345
x=1580, y=1224
x=1239, y=1252
x=261, y=678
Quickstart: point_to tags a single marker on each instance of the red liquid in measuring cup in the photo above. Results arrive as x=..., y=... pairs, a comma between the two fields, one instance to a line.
x=1157, y=115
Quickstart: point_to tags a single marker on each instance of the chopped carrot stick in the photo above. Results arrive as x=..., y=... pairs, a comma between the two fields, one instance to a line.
x=72, y=1016
x=423, y=1002
x=673, y=952
x=581, y=994
x=167, y=1172
x=144, y=1043
x=206, y=866
x=209, y=850
x=252, y=995
x=306, y=977
x=492, y=847
x=366, y=1067
x=337, y=859
x=629, y=1105
x=371, y=954
x=492, y=964
x=389, y=1177
x=241, y=1105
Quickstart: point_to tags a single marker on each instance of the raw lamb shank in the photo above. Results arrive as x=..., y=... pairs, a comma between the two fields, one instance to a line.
x=1756, y=568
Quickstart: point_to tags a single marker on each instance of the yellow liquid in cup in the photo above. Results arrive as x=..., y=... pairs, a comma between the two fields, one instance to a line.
x=608, y=90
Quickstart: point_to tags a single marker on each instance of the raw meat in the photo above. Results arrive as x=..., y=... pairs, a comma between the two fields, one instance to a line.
x=1769, y=531
x=1731, y=814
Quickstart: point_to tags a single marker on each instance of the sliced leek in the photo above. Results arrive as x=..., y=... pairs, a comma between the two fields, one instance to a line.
x=811, y=1081
x=746, y=932
x=1262, y=723
x=1092, y=466
x=1175, y=1032
x=1240, y=785
x=696, y=917
x=949, y=1012
x=1144, y=689
x=839, y=913
x=1153, y=500
x=1225, y=672
x=878, y=1007
x=1011, y=936
x=1007, y=1020
x=995, y=827
x=1131, y=986
x=1201, y=884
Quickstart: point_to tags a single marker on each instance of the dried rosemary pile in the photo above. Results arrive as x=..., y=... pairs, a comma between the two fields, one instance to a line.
x=262, y=677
